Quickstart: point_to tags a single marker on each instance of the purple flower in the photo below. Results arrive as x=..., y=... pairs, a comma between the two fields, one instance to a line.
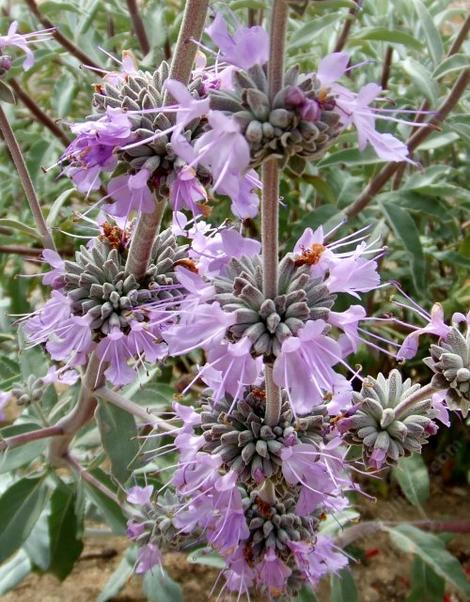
x=318, y=560
x=140, y=496
x=348, y=322
x=242, y=192
x=304, y=366
x=272, y=573
x=248, y=46
x=22, y=41
x=130, y=193
x=354, y=274
x=134, y=529
x=223, y=150
x=436, y=326
x=186, y=191
x=233, y=369
x=63, y=377
x=142, y=341
x=41, y=325
x=114, y=349
x=92, y=151
x=299, y=467
x=189, y=417
x=189, y=108
x=354, y=109
x=4, y=399
x=204, y=329
x=71, y=340
x=55, y=277
x=148, y=557
x=202, y=472
x=230, y=528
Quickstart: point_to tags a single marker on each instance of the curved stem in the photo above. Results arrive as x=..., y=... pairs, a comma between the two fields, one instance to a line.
x=132, y=408
x=17, y=440
x=81, y=413
x=26, y=182
x=270, y=203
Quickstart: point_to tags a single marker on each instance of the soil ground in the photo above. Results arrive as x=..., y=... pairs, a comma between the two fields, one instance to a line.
x=382, y=576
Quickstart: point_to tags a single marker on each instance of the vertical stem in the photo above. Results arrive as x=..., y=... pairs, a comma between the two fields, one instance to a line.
x=148, y=225
x=142, y=240
x=26, y=182
x=270, y=204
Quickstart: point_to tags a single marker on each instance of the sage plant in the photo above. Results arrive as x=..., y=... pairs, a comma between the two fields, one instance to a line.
x=263, y=456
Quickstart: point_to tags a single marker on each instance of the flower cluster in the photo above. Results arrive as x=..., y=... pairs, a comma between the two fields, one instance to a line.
x=226, y=313
x=158, y=138
x=266, y=530
x=97, y=306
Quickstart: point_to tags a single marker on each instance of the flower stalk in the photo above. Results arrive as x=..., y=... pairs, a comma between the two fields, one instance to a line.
x=26, y=182
x=142, y=243
x=270, y=203
x=148, y=225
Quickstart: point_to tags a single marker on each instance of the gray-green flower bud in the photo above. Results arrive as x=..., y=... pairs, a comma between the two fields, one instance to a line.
x=391, y=419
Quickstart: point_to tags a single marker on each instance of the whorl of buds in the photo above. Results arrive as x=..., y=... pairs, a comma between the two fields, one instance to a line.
x=268, y=322
x=297, y=125
x=141, y=91
x=273, y=525
x=151, y=523
x=98, y=286
x=391, y=419
x=237, y=433
x=29, y=392
x=450, y=361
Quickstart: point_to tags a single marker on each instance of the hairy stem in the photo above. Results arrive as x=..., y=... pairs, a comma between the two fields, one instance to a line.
x=17, y=440
x=132, y=408
x=40, y=115
x=138, y=25
x=26, y=182
x=60, y=38
x=142, y=240
x=270, y=203
x=149, y=223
